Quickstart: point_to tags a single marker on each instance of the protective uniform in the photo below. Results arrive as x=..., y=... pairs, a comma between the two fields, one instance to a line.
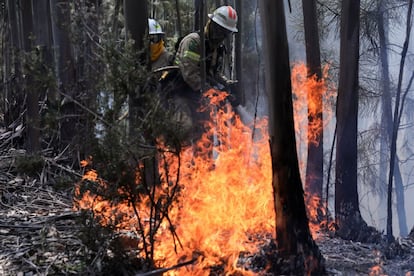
x=187, y=94
x=222, y=22
x=160, y=57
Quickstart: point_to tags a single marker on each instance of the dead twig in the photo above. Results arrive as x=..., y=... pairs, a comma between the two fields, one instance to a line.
x=163, y=270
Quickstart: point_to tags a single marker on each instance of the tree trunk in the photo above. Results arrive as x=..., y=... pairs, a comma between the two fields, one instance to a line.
x=37, y=87
x=15, y=96
x=197, y=4
x=386, y=114
x=65, y=72
x=31, y=85
x=239, y=93
x=396, y=123
x=399, y=194
x=386, y=123
x=177, y=10
x=294, y=241
x=347, y=213
x=137, y=23
x=314, y=164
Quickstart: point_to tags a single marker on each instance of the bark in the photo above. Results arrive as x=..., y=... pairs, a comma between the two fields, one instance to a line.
x=31, y=87
x=15, y=96
x=347, y=214
x=177, y=10
x=137, y=23
x=64, y=52
x=197, y=4
x=36, y=27
x=239, y=93
x=292, y=230
x=314, y=164
x=386, y=115
x=396, y=122
x=63, y=99
x=386, y=123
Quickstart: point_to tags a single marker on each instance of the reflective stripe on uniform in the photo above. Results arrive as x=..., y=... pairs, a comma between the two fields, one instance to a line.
x=191, y=55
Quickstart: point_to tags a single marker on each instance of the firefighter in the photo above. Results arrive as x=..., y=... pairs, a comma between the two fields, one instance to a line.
x=221, y=24
x=160, y=57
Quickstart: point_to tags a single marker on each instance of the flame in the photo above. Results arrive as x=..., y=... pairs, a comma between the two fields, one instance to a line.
x=310, y=96
x=309, y=93
x=224, y=201
x=376, y=271
x=223, y=191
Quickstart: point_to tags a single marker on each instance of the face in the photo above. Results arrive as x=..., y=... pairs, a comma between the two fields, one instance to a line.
x=155, y=38
x=217, y=33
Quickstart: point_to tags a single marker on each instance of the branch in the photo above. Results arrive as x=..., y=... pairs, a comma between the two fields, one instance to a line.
x=160, y=271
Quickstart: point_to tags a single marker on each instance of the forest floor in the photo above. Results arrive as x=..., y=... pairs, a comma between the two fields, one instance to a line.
x=40, y=235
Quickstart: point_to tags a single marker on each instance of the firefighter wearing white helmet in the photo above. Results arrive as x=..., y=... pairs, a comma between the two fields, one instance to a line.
x=222, y=22
x=160, y=57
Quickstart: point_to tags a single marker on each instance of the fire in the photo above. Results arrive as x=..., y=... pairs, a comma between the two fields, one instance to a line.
x=309, y=93
x=376, y=271
x=224, y=200
x=223, y=197
x=310, y=96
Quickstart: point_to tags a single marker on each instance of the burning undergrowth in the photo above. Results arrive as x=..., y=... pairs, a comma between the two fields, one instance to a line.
x=209, y=206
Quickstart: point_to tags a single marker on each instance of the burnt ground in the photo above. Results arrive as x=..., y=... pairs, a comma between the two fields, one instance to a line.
x=41, y=234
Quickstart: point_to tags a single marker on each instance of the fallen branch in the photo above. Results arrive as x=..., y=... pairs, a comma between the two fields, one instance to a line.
x=162, y=270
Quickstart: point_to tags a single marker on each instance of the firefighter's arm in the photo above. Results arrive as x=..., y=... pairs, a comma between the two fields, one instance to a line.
x=188, y=61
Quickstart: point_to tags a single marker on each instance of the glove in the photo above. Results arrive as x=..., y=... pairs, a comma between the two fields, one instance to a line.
x=231, y=83
x=234, y=101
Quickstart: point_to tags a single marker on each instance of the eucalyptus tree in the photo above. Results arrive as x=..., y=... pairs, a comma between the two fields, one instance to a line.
x=384, y=10
x=13, y=65
x=398, y=111
x=294, y=240
x=347, y=212
x=314, y=164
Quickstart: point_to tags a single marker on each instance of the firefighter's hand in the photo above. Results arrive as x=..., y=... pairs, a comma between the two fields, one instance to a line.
x=234, y=101
x=231, y=83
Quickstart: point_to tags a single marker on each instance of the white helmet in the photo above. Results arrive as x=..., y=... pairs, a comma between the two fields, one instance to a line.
x=226, y=17
x=154, y=27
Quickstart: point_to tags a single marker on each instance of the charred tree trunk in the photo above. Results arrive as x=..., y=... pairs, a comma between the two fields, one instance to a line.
x=14, y=98
x=43, y=41
x=346, y=189
x=314, y=164
x=30, y=85
x=69, y=125
x=294, y=240
x=197, y=4
x=347, y=214
x=137, y=25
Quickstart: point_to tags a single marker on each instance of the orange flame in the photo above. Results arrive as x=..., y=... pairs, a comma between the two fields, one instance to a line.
x=225, y=197
x=376, y=271
x=309, y=94
x=312, y=98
